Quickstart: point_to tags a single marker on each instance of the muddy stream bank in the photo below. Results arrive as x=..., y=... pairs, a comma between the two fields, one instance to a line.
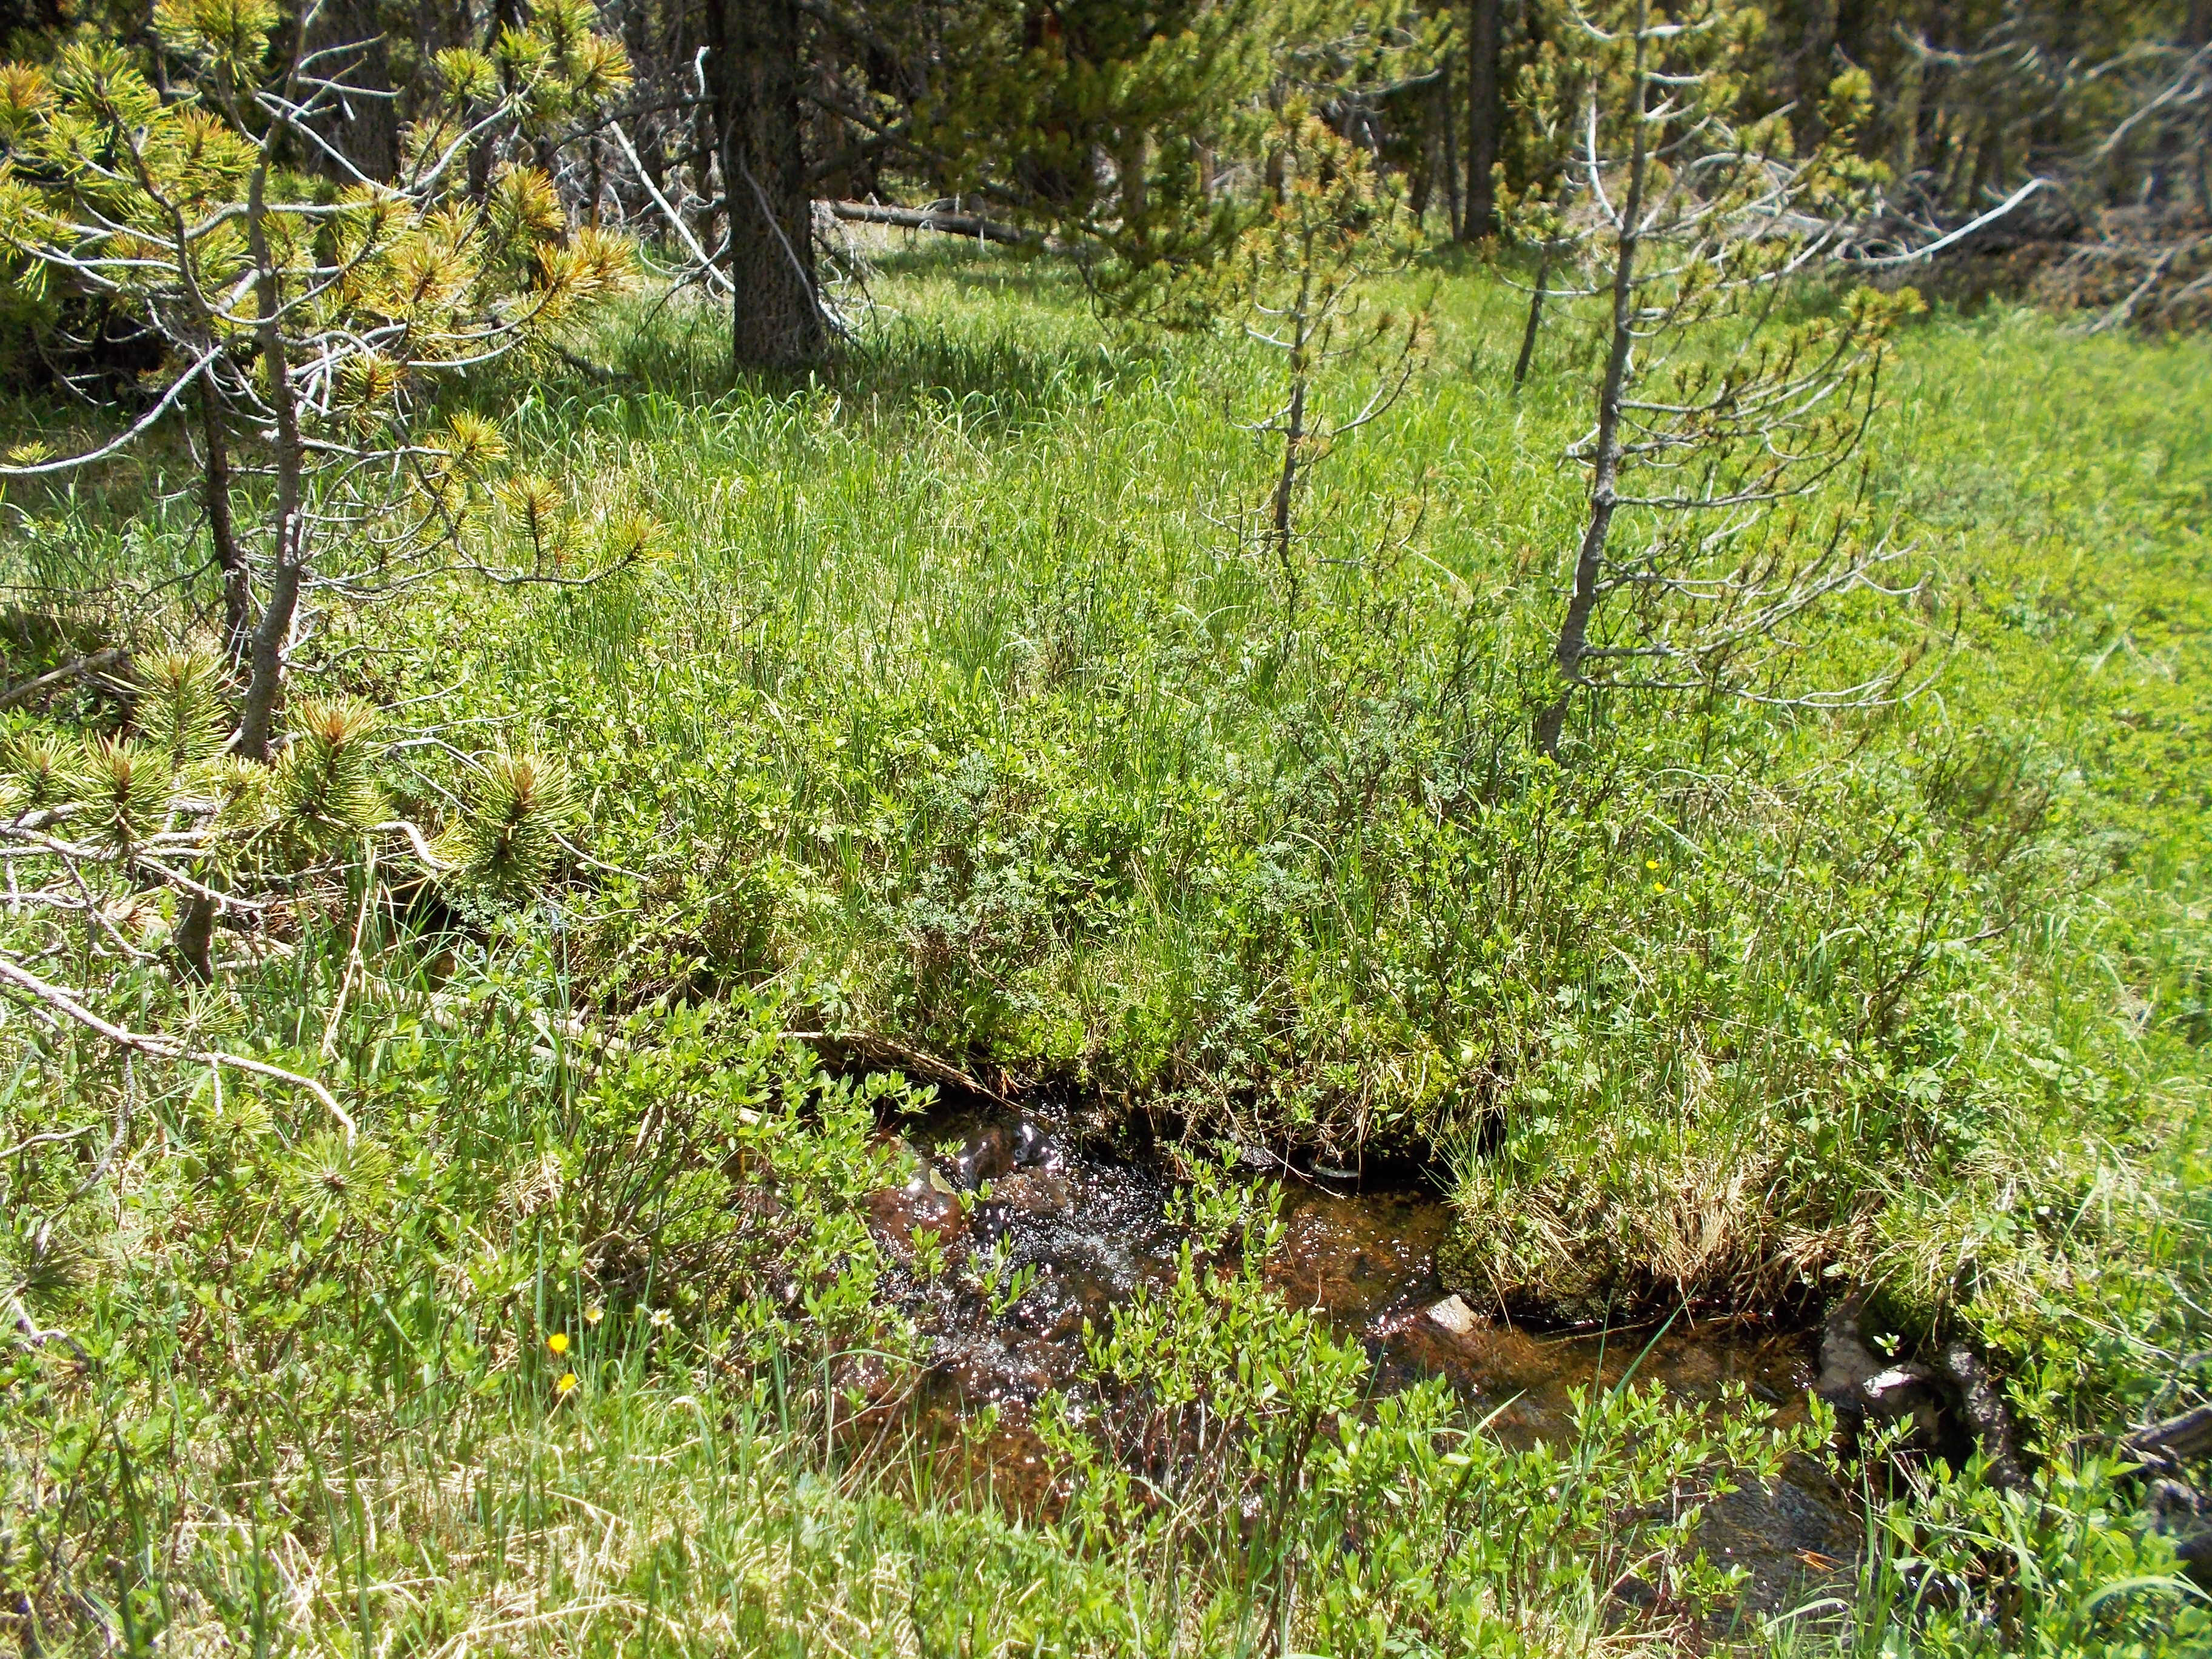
x=1095, y=1228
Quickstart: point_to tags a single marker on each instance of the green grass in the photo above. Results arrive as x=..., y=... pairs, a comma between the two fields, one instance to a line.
x=967, y=716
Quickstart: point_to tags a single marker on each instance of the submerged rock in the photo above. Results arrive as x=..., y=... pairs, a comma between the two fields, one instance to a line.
x=985, y=1156
x=897, y=1214
x=1033, y=1193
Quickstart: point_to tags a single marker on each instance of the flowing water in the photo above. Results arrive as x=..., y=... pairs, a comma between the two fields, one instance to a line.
x=1095, y=1228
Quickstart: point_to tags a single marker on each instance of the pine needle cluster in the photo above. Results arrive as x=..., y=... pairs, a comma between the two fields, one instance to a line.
x=510, y=839
x=325, y=789
x=35, y=773
x=125, y=791
x=180, y=706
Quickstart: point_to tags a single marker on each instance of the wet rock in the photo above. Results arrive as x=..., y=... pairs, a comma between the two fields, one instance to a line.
x=1455, y=1315
x=1794, y=1533
x=1035, y=1148
x=1853, y=1378
x=1033, y=1193
x=2178, y=1508
x=1858, y=1381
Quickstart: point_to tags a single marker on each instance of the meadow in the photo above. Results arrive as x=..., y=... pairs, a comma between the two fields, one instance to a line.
x=966, y=735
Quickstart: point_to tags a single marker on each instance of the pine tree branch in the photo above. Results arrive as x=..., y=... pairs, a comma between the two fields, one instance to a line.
x=144, y=424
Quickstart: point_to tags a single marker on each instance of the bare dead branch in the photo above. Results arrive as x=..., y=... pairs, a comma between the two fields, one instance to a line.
x=54, y=998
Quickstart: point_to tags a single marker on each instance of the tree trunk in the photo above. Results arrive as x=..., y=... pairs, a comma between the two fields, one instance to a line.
x=652, y=147
x=505, y=15
x=229, y=557
x=1605, y=473
x=1484, y=21
x=1423, y=187
x=1455, y=197
x=1286, y=483
x=194, y=939
x=754, y=67
x=266, y=658
x=1535, y=316
x=1904, y=120
x=1813, y=67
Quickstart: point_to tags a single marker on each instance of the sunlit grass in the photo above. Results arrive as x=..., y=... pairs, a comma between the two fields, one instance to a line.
x=966, y=711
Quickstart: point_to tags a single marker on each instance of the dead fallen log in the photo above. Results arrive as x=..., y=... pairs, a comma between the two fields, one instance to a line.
x=2176, y=1441
x=950, y=221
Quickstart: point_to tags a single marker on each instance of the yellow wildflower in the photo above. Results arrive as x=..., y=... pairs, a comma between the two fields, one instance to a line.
x=558, y=1342
x=567, y=1384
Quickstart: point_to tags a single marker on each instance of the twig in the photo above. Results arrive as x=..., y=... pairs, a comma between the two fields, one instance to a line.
x=416, y=838
x=582, y=857
x=145, y=423
x=1964, y=231
x=30, y=688
x=713, y=274
x=38, y=1337
x=44, y=1230
x=329, y=1050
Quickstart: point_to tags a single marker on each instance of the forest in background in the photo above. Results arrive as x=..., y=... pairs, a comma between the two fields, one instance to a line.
x=1101, y=126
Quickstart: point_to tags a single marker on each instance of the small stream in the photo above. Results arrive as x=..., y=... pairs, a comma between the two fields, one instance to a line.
x=1095, y=1228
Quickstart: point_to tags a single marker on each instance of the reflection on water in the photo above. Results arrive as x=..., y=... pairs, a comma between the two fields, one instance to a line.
x=1090, y=1229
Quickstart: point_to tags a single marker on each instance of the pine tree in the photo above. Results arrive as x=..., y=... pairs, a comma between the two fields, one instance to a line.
x=303, y=322
x=1712, y=413
x=1300, y=285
